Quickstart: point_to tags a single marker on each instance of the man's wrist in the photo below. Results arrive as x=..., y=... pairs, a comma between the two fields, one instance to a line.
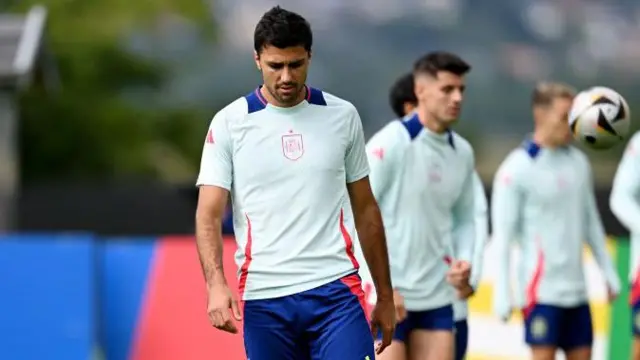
x=385, y=293
x=217, y=278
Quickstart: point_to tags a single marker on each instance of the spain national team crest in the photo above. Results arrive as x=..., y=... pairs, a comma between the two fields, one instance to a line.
x=434, y=172
x=539, y=327
x=292, y=146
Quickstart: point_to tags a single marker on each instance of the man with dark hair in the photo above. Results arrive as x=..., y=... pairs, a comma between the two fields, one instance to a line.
x=422, y=176
x=402, y=97
x=293, y=159
x=543, y=200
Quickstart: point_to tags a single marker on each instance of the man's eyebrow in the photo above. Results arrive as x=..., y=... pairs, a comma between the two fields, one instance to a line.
x=295, y=62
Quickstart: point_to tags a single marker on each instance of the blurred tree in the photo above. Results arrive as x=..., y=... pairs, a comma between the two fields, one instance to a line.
x=87, y=129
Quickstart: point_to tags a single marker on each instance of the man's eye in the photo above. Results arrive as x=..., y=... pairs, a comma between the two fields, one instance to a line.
x=295, y=65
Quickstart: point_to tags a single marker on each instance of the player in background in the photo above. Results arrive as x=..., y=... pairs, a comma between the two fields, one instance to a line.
x=402, y=96
x=422, y=177
x=286, y=153
x=543, y=199
x=625, y=205
x=403, y=101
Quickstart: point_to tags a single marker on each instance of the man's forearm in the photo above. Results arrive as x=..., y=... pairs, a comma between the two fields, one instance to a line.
x=374, y=247
x=209, y=243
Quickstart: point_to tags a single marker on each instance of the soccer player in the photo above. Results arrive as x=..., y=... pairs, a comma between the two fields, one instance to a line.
x=543, y=200
x=422, y=177
x=403, y=101
x=286, y=153
x=625, y=205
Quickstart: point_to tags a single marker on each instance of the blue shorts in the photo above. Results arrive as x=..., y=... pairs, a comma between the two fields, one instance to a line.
x=436, y=319
x=461, y=339
x=635, y=316
x=325, y=323
x=565, y=328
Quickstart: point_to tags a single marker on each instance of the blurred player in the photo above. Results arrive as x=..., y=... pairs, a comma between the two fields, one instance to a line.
x=286, y=153
x=422, y=177
x=403, y=101
x=625, y=204
x=402, y=96
x=543, y=198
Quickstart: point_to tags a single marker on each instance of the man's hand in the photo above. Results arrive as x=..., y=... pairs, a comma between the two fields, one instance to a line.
x=398, y=301
x=221, y=307
x=465, y=292
x=459, y=273
x=383, y=318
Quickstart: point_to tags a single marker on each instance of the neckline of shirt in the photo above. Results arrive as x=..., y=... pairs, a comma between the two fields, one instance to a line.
x=289, y=109
x=445, y=137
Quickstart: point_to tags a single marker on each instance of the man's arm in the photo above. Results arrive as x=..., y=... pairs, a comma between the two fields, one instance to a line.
x=482, y=230
x=209, y=217
x=626, y=188
x=367, y=217
x=214, y=181
x=371, y=234
x=596, y=236
x=370, y=231
x=506, y=203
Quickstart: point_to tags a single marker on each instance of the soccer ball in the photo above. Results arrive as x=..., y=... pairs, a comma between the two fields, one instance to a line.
x=599, y=118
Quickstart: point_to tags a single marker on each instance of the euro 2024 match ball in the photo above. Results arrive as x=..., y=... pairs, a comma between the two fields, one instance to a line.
x=600, y=118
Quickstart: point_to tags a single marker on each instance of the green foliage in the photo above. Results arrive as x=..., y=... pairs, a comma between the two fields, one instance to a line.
x=86, y=129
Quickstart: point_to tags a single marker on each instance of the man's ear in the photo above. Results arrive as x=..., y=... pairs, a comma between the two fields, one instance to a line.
x=256, y=58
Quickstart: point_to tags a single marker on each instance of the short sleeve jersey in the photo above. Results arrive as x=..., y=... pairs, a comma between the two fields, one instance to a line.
x=287, y=170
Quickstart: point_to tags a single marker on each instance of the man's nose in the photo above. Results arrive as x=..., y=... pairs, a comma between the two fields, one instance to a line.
x=286, y=75
x=457, y=96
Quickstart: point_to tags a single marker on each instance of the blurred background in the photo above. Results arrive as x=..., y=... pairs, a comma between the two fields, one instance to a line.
x=104, y=106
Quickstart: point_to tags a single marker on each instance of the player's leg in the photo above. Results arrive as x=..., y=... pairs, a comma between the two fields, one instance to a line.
x=576, y=334
x=270, y=330
x=397, y=350
x=336, y=322
x=461, y=339
x=542, y=331
x=399, y=347
x=431, y=337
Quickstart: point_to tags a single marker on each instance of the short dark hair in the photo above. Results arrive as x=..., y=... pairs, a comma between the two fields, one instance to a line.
x=282, y=28
x=545, y=92
x=402, y=92
x=437, y=61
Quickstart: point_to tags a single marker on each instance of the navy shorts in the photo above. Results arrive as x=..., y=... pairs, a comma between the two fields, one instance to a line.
x=461, y=339
x=563, y=327
x=436, y=319
x=325, y=323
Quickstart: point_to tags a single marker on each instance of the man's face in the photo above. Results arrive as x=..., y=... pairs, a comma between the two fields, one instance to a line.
x=556, y=120
x=441, y=95
x=284, y=72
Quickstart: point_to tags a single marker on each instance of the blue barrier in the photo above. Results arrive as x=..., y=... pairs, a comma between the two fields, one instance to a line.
x=124, y=266
x=47, y=289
